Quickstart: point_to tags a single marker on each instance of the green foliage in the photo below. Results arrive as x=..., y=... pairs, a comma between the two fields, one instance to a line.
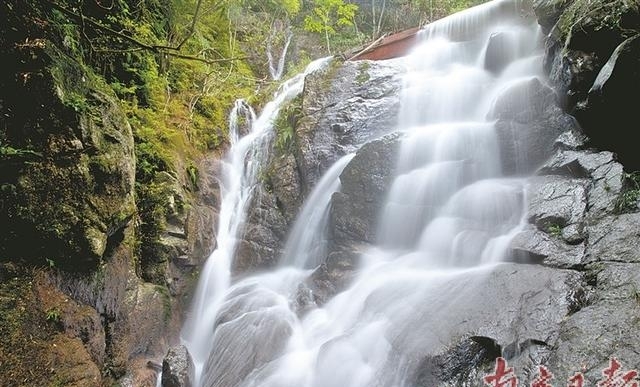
x=363, y=73
x=327, y=16
x=555, y=230
x=194, y=174
x=276, y=8
x=53, y=315
x=285, y=124
x=373, y=19
x=628, y=200
x=8, y=152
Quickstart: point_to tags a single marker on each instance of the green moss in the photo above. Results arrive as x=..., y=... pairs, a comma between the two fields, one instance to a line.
x=363, y=73
x=285, y=124
x=628, y=200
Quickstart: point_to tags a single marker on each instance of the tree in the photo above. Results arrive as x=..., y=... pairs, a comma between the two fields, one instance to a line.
x=327, y=15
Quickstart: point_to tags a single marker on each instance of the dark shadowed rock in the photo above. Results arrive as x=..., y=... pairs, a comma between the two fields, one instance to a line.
x=264, y=235
x=178, y=369
x=609, y=112
x=365, y=182
x=528, y=124
x=285, y=184
x=583, y=37
x=548, y=11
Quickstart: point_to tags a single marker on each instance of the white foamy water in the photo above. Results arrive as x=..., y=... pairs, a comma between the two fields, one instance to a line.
x=446, y=223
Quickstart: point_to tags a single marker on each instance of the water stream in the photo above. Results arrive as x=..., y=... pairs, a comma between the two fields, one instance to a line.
x=447, y=222
x=276, y=68
x=239, y=180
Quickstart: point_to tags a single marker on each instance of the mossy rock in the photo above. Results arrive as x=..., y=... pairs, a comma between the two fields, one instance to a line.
x=64, y=206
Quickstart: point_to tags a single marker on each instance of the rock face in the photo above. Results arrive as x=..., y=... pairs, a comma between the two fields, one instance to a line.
x=353, y=103
x=354, y=213
x=592, y=59
x=85, y=163
x=102, y=304
x=341, y=108
x=178, y=369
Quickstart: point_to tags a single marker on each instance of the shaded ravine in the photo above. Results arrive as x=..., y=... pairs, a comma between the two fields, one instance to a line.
x=443, y=235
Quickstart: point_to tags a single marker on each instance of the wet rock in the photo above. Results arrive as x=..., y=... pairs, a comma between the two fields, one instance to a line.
x=607, y=176
x=571, y=140
x=557, y=203
x=365, y=182
x=285, y=184
x=505, y=317
x=548, y=11
x=264, y=235
x=528, y=124
x=533, y=246
x=615, y=238
x=178, y=369
x=590, y=337
x=578, y=46
x=350, y=104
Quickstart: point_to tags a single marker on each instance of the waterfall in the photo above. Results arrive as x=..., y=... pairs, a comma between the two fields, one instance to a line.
x=241, y=119
x=277, y=69
x=305, y=249
x=238, y=181
x=445, y=226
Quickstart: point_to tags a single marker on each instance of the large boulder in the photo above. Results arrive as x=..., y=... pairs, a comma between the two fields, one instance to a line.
x=353, y=217
x=606, y=175
x=504, y=316
x=605, y=328
x=557, y=203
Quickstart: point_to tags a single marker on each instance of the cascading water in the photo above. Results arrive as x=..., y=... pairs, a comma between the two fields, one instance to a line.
x=448, y=220
x=239, y=178
x=304, y=249
x=276, y=69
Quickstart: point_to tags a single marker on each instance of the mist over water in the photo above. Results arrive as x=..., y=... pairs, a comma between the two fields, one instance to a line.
x=447, y=221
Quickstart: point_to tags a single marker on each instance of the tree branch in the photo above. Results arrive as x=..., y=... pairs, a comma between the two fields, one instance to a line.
x=159, y=49
x=192, y=28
